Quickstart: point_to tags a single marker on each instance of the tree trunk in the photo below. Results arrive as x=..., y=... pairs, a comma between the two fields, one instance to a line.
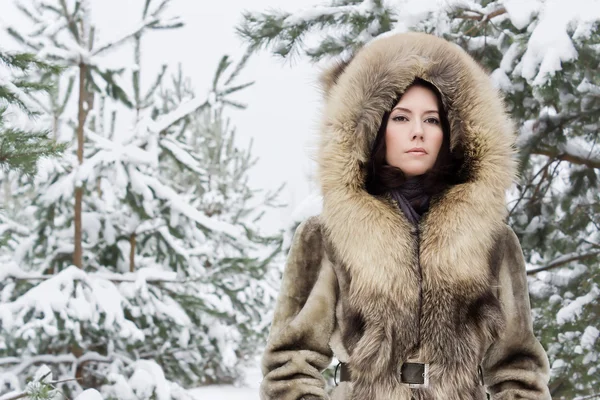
x=132, y=241
x=82, y=114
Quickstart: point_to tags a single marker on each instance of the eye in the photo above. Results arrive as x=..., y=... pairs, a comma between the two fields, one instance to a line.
x=399, y=118
x=433, y=120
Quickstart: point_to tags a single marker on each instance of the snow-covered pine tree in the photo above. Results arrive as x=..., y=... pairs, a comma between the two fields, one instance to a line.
x=544, y=56
x=239, y=277
x=167, y=295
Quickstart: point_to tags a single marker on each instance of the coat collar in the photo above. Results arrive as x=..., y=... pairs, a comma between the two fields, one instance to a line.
x=372, y=238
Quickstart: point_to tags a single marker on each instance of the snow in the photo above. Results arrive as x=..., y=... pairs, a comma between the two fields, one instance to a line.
x=166, y=193
x=521, y=11
x=20, y=94
x=589, y=337
x=182, y=111
x=89, y=394
x=182, y=155
x=574, y=309
x=225, y=392
x=247, y=390
x=60, y=294
x=501, y=80
x=509, y=57
x=43, y=374
x=301, y=16
x=148, y=378
x=550, y=44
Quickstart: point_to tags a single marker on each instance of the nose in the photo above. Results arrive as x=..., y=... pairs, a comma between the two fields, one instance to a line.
x=417, y=131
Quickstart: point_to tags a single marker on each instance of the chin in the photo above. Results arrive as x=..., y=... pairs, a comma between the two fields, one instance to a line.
x=414, y=168
x=414, y=171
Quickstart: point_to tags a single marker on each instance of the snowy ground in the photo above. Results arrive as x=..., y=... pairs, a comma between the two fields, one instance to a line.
x=249, y=390
x=225, y=393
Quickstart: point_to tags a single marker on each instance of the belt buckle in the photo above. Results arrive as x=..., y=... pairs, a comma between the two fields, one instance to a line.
x=425, y=383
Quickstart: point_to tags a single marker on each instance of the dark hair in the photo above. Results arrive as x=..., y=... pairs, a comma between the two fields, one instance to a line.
x=382, y=177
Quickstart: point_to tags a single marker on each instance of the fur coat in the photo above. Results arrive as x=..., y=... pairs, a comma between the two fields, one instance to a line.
x=352, y=286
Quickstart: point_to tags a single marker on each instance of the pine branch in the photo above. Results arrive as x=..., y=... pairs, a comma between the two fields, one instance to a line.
x=26, y=61
x=40, y=393
x=20, y=150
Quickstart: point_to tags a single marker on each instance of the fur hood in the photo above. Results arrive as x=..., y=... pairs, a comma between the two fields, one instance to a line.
x=357, y=93
x=363, y=283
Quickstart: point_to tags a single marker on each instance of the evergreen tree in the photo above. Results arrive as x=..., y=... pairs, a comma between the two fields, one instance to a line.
x=543, y=56
x=174, y=272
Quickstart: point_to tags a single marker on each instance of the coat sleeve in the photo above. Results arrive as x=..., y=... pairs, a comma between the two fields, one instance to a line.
x=298, y=350
x=516, y=365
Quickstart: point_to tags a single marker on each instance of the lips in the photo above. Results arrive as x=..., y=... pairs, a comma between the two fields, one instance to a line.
x=417, y=151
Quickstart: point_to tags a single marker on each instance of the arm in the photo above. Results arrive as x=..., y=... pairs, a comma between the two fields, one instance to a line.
x=298, y=349
x=516, y=365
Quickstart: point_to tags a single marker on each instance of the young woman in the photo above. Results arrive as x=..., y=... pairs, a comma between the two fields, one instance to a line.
x=410, y=276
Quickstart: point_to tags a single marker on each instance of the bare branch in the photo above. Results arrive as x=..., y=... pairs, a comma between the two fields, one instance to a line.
x=562, y=260
x=573, y=158
x=591, y=396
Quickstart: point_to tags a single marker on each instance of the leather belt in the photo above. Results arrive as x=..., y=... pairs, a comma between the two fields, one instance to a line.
x=415, y=375
x=410, y=373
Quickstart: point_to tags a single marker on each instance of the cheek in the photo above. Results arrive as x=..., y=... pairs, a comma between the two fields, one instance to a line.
x=393, y=140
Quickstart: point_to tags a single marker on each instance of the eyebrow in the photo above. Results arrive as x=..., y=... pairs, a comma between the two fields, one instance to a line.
x=409, y=111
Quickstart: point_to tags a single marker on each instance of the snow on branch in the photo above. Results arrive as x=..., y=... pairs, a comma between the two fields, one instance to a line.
x=25, y=362
x=31, y=105
x=125, y=36
x=166, y=193
x=95, y=300
x=308, y=15
x=573, y=310
x=149, y=275
x=574, y=151
x=182, y=111
x=571, y=153
x=182, y=155
x=7, y=224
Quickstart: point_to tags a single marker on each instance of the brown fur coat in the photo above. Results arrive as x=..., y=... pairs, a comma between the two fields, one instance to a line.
x=351, y=284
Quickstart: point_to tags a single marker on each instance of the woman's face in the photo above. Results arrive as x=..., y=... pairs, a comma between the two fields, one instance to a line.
x=414, y=135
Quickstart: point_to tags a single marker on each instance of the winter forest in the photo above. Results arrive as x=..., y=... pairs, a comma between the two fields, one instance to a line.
x=140, y=255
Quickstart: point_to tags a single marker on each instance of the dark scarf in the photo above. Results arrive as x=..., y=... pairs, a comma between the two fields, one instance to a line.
x=412, y=198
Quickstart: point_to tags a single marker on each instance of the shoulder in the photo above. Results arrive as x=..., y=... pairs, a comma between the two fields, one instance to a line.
x=509, y=253
x=509, y=238
x=307, y=243
x=304, y=262
x=307, y=232
x=506, y=250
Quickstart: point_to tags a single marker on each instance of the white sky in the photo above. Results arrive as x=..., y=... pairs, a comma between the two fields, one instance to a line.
x=282, y=114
